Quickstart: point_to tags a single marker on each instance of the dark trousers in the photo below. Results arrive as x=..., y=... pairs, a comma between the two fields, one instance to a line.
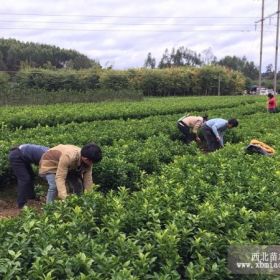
x=186, y=131
x=75, y=182
x=211, y=140
x=25, y=177
x=272, y=110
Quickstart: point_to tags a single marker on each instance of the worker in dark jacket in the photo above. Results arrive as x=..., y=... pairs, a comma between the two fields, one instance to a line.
x=21, y=159
x=213, y=132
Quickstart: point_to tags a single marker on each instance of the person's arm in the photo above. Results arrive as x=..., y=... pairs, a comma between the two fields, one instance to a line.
x=221, y=140
x=61, y=174
x=215, y=129
x=87, y=179
x=197, y=126
x=195, y=129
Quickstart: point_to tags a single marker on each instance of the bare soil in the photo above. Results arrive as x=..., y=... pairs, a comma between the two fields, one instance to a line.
x=10, y=209
x=8, y=205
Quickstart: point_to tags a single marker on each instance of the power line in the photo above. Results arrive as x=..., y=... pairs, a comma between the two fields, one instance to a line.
x=114, y=23
x=120, y=16
x=269, y=16
x=134, y=30
x=125, y=24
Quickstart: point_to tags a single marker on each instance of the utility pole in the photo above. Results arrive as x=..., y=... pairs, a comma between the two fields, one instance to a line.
x=219, y=83
x=261, y=47
x=276, y=49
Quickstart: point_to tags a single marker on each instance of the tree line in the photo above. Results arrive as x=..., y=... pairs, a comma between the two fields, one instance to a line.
x=186, y=57
x=203, y=80
x=15, y=55
x=49, y=68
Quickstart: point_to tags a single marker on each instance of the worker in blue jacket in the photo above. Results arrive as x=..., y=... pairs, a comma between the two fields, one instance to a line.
x=213, y=131
x=21, y=159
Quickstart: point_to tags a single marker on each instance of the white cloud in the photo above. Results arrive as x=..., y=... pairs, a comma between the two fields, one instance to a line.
x=123, y=32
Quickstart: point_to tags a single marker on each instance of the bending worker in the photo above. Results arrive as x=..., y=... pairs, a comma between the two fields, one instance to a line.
x=69, y=164
x=21, y=159
x=213, y=131
x=189, y=126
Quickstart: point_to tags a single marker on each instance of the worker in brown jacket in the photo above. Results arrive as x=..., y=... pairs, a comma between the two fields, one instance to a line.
x=71, y=164
x=189, y=126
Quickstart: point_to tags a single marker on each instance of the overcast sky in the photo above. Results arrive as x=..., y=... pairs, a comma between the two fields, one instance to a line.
x=122, y=32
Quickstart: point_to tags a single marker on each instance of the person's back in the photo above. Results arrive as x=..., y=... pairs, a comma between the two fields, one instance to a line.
x=32, y=153
x=21, y=158
x=189, y=126
x=219, y=123
x=193, y=121
x=213, y=131
x=271, y=103
x=63, y=162
x=50, y=160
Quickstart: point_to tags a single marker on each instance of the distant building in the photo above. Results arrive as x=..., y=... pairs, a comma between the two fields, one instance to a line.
x=260, y=91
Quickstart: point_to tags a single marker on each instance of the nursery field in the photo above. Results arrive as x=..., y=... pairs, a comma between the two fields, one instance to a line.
x=161, y=209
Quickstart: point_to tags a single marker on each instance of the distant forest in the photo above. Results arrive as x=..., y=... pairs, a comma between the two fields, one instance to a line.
x=15, y=55
x=186, y=57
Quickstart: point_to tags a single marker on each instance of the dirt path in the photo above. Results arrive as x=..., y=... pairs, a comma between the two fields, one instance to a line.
x=9, y=209
x=8, y=205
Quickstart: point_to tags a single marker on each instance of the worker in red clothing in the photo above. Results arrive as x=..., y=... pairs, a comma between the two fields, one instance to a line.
x=271, y=103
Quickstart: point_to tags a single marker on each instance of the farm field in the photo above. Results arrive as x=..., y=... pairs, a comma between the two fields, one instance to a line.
x=161, y=209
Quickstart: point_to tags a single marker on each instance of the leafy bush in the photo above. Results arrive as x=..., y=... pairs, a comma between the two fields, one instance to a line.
x=4, y=81
x=169, y=211
x=153, y=82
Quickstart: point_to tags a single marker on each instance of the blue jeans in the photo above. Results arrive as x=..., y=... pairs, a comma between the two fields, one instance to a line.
x=52, y=191
x=73, y=179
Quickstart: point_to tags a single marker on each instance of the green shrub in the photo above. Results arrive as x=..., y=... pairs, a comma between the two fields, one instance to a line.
x=153, y=82
x=4, y=81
